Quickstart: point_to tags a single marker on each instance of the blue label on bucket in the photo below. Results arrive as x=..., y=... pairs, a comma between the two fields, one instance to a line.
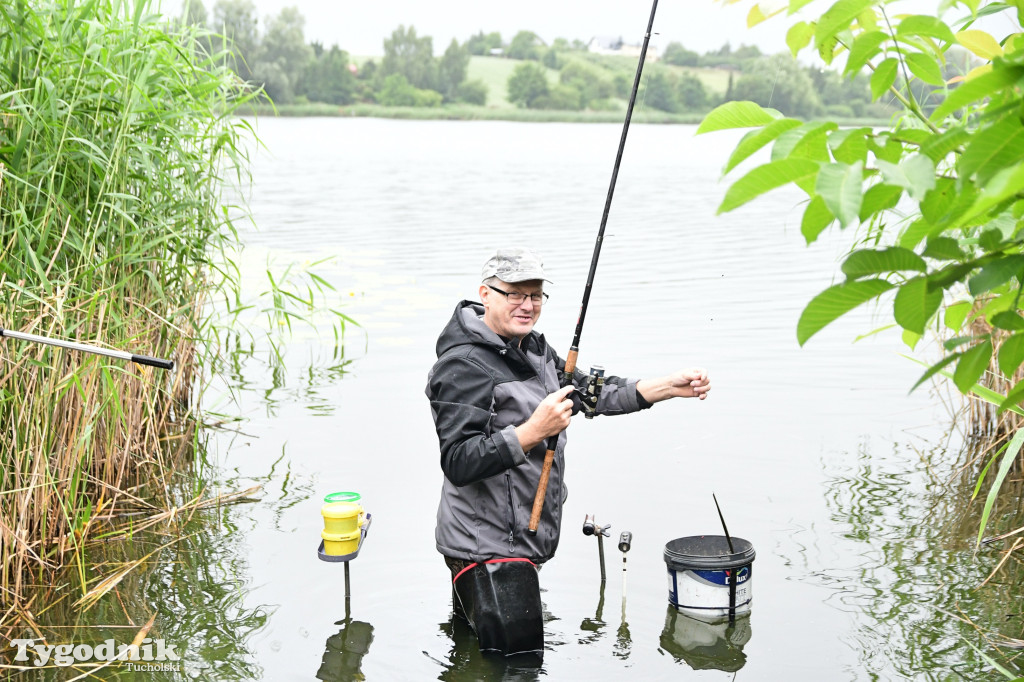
x=721, y=578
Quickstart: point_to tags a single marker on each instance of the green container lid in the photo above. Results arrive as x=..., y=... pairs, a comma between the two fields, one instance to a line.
x=343, y=497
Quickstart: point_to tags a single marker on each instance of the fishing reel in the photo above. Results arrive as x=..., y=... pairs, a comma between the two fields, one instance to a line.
x=592, y=392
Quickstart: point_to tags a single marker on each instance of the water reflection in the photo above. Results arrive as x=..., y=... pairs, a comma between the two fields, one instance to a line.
x=196, y=589
x=344, y=652
x=706, y=646
x=467, y=662
x=912, y=578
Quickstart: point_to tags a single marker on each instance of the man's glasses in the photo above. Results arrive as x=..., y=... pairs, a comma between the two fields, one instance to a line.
x=517, y=298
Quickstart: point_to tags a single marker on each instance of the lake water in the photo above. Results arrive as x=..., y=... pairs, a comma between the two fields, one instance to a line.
x=817, y=455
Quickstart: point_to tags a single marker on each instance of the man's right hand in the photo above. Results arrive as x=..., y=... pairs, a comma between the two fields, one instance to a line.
x=550, y=418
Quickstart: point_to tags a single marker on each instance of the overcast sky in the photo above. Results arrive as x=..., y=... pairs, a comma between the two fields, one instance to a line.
x=360, y=26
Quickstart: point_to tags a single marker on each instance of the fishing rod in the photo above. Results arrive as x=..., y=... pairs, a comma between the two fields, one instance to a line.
x=574, y=349
x=85, y=348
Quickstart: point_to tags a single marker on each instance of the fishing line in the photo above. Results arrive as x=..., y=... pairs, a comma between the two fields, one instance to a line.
x=772, y=94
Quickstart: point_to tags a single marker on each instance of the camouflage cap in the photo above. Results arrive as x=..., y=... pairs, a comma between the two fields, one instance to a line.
x=514, y=265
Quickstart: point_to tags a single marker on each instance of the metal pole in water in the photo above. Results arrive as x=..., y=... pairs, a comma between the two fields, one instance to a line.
x=625, y=542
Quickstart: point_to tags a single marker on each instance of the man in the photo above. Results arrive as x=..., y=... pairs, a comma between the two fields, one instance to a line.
x=496, y=397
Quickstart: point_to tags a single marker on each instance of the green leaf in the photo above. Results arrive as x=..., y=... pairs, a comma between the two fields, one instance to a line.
x=883, y=77
x=838, y=18
x=955, y=314
x=850, y=146
x=840, y=185
x=1009, y=457
x=914, y=304
x=972, y=364
x=931, y=371
x=957, y=341
x=835, y=302
x=1012, y=402
x=916, y=174
x=1004, y=185
x=816, y=218
x=990, y=240
x=799, y=36
x=756, y=139
x=992, y=149
x=880, y=197
x=914, y=233
x=864, y=48
x=937, y=202
x=910, y=338
x=1007, y=320
x=886, y=147
x=994, y=274
x=978, y=88
x=1011, y=354
x=875, y=262
x=737, y=115
x=925, y=25
x=925, y=67
x=939, y=146
x=809, y=141
x=765, y=178
x=980, y=43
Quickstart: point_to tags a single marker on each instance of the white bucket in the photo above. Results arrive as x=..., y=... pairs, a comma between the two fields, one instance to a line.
x=707, y=580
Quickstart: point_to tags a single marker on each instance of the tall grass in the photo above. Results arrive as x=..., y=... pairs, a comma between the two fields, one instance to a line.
x=115, y=129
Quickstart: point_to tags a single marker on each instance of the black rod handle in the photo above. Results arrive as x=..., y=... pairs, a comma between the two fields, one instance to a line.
x=153, y=362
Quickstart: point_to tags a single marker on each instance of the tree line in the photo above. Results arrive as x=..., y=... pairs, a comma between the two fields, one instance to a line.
x=562, y=75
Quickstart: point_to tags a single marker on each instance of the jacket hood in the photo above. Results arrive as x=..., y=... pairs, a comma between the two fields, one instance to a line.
x=467, y=327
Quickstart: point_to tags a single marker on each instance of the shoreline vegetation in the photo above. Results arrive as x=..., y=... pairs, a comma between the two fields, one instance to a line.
x=476, y=113
x=116, y=139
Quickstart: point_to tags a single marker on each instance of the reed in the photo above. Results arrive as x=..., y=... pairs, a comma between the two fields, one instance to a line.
x=116, y=136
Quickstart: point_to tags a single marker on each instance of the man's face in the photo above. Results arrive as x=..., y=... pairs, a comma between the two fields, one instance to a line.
x=503, y=317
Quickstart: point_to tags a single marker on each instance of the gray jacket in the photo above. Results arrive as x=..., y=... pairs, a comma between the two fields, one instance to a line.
x=480, y=389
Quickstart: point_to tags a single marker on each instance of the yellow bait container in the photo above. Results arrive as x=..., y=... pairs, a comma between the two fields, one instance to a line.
x=344, y=518
x=341, y=517
x=338, y=544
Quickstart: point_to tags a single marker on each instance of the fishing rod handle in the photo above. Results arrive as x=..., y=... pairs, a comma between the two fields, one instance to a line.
x=153, y=362
x=542, y=486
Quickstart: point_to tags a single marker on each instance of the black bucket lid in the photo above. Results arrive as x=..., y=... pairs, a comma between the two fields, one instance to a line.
x=708, y=552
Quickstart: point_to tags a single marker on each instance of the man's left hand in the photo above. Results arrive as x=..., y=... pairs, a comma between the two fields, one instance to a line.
x=686, y=383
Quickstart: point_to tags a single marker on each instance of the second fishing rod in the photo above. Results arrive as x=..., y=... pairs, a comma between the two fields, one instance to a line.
x=596, y=374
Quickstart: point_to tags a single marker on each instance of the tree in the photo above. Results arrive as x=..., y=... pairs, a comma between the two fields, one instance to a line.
x=588, y=80
x=284, y=55
x=660, y=92
x=451, y=70
x=938, y=195
x=691, y=93
x=412, y=56
x=527, y=84
x=235, y=23
x=561, y=97
x=481, y=44
x=329, y=77
x=779, y=82
x=525, y=45
x=398, y=92
x=678, y=55
x=472, y=92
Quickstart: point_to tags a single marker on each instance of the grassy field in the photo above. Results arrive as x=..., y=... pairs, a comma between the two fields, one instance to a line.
x=495, y=72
